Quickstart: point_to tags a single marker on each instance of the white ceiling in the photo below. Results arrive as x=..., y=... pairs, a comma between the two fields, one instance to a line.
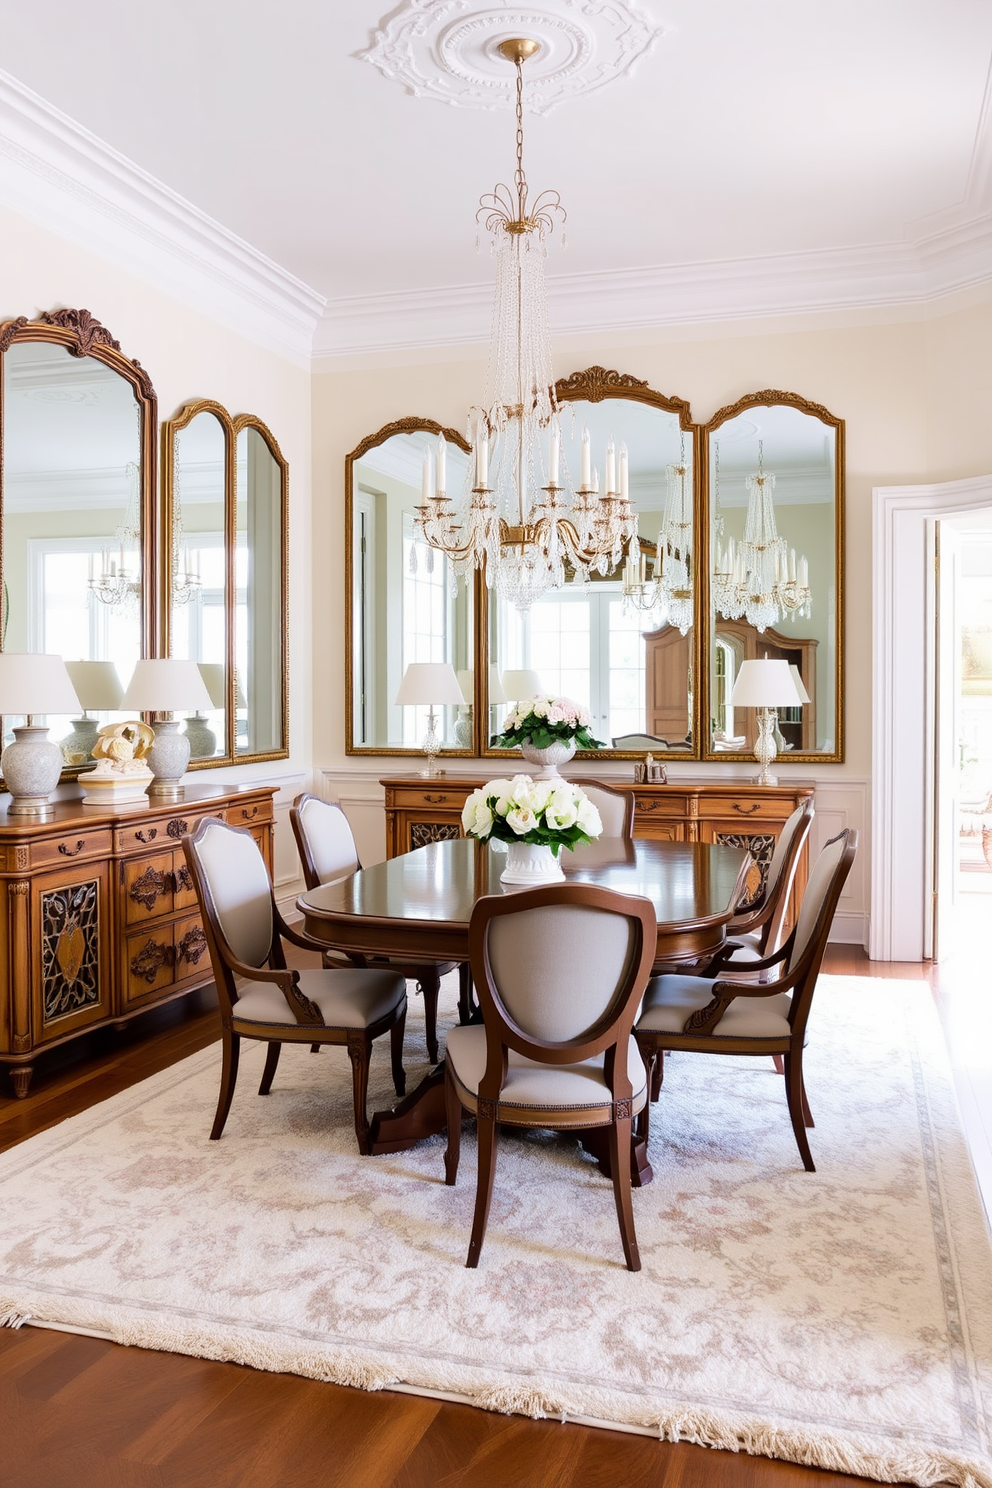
x=753, y=130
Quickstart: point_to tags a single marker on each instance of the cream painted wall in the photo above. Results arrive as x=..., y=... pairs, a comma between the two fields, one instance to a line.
x=187, y=355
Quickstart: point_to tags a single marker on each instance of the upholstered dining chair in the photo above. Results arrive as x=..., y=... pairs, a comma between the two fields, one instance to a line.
x=259, y=997
x=559, y=972
x=615, y=806
x=759, y=930
x=721, y=1015
x=327, y=851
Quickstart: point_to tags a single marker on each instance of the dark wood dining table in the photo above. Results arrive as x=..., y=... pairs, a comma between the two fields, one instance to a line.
x=420, y=904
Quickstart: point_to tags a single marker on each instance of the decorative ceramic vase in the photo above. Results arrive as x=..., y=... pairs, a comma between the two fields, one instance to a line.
x=530, y=864
x=550, y=758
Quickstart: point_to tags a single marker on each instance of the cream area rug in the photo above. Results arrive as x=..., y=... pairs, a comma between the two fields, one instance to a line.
x=841, y=1319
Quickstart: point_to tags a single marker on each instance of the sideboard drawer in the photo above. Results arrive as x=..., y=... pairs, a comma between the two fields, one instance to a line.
x=249, y=814
x=745, y=806
x=55, y=851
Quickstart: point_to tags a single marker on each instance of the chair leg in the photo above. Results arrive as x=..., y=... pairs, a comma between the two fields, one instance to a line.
x=657, y=1073
x=464, y=993
x=396, y=1053
x=620, y=1168
x=359, y=1052
x=271, y=1060
x=794, y=1095
x=429, y=983
x=315, y=1048
x=779, y=1063
x=807, y=1113
x=231, y=1046
x=484, y=1190
x=453, y=1114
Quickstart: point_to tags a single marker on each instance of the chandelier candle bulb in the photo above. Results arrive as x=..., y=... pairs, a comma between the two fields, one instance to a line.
x=555, y=454
x=482, y=461
x=624, y=474
x=611, y=469
x=803, y=574
x=442, y=450
x=792, y=566
x=426, y=491
x=586, y=480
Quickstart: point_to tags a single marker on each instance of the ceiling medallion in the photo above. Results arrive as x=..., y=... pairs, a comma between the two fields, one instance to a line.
x=450, y=49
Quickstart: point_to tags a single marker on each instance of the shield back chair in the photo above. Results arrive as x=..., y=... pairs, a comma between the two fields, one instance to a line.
x=559, y=973
x=616, y=807
x=721, y=1015
x=328, y=852
x=759, y=931
x=259, y=997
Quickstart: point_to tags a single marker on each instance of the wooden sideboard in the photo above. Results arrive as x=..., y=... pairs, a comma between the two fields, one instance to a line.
x=99, y=920
x=736, y=813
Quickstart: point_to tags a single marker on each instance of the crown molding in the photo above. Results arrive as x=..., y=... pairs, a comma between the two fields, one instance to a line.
x=951, y=256
x=64, y=178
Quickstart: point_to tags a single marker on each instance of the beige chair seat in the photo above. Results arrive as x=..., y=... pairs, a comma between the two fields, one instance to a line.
x=669, y=1000
x=532, y=1087
x=349, y=998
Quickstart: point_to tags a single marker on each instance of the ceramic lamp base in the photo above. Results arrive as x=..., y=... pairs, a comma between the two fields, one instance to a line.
x=167, y=760
x=31, y=768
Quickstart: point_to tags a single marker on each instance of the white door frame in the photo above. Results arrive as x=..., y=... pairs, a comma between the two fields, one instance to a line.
x=902, y=743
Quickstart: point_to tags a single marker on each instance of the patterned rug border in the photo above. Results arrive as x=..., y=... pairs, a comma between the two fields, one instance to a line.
x=646, y=1410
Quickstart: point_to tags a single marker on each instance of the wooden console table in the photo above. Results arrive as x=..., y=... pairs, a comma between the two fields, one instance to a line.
x=99, y=920
x=727, y=812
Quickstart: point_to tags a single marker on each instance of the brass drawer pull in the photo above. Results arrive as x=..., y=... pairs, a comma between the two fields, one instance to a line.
x=148, y=836
x=747, y=810
x=436, y=800
x=177, y=828
x=70, y=852
x=247, y=815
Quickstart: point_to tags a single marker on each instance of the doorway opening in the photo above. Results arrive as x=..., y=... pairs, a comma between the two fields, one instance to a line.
x=962, y=815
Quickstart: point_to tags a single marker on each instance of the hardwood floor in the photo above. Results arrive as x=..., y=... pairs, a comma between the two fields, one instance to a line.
x=93, y=1414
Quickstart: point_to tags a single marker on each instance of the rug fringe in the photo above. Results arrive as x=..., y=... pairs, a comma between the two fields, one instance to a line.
x=12, y=1319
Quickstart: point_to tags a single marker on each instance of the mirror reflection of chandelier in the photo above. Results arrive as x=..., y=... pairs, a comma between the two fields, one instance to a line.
x=186, y=582
x=119, y=582
x=667, y=591
x=522, y=523
x=760, y=578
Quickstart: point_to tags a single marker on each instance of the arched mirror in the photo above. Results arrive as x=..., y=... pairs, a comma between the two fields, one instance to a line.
x=198, y=451
x=77, y=491
x=775, y=515
x=226, y=591
x=405, y=604
x=622, y=645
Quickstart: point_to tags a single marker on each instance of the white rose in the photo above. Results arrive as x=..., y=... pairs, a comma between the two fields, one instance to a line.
x=539, y=707
x=469, y=810
x=560, y=813
x=483, y=821
x=589, y=818
x=523, y=793
x=521, y=820
x=541, y=792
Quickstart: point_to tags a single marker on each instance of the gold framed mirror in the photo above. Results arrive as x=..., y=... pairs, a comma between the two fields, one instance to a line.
x=77, y=511
x=611, y=644
x=226, y=584
x=774, y=564
x=404, y=605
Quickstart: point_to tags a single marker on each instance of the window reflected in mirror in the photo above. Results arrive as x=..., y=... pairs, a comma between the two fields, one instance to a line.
x=198, y=587
x=611, y=644
x=73, y=535
x=407, y=604
x=259, y=609
x=774, y=512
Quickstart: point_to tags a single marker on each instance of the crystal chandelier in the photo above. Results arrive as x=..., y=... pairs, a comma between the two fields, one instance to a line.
x=186, y=582
x=668, y=591
x=760, y=578
x=119, y=584
x=522, y=523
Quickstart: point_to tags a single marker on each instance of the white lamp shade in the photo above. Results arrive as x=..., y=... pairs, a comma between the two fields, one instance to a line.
x=97, y=684
x=764, y=684
x=212, y=673
x=31, y=682
x=429, y=682
x=496, y=691
x=166, y=686
x=797, y=678
x=466, y=681
x=521, y=684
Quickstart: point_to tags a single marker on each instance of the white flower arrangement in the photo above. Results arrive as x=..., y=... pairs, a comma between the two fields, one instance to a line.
x=555, y=812
x=543, y=721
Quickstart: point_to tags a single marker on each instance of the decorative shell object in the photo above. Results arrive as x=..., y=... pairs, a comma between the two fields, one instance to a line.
x=121, y=774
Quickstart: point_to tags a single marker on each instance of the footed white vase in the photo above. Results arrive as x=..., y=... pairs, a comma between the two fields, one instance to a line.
x=550, y=758
x=529, y=864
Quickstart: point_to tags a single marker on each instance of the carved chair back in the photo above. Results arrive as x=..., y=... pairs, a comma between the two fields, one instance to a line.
x=324, y=839
x=235, y=896
x=768, y=915
x=808, y=941
x=616, y=807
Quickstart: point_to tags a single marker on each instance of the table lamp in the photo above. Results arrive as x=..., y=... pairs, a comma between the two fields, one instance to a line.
x=164, y=687
x=521, y=684
x=424, y=684
x=31, y=683
x=98, y=687
x=466, y=681
x=765, y=685
x=202, y=739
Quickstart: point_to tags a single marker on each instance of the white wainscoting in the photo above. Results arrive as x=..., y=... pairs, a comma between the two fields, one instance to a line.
x=841, y=801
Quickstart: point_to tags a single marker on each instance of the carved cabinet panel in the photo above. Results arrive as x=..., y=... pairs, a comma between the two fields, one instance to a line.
x=70, y=936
